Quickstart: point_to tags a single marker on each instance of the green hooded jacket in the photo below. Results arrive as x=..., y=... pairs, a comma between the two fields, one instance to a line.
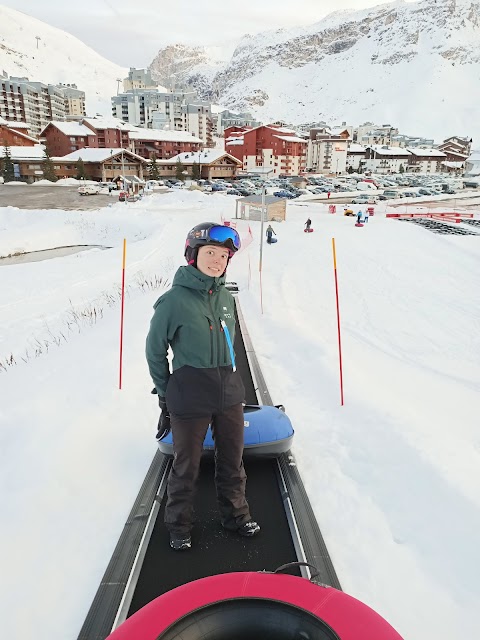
x=188, y=318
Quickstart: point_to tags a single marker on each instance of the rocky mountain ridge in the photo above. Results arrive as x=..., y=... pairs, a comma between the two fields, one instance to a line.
x=397, y=62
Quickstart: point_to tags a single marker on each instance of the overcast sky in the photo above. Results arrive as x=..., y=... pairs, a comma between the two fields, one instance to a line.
x=131, y=32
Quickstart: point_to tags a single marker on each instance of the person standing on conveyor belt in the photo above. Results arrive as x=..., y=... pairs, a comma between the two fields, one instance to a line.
x=196, y=318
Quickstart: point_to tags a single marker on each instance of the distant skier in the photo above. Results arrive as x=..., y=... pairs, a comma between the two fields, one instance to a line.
x=365, y=216
x=269, y=234
x=359, y=216
x=308, y=224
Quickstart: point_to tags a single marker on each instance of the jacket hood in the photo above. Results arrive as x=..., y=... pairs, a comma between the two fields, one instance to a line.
x=192, y=278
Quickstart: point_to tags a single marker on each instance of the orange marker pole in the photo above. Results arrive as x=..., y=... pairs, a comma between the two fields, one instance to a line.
x=338, y=320
x=122, y=310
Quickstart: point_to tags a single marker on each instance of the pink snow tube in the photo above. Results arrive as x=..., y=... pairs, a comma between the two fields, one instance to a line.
x=248, y=604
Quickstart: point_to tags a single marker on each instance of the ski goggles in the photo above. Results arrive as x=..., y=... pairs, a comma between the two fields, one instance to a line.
x=221, y=234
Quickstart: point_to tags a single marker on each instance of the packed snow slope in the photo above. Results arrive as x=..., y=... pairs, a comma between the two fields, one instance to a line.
x=56, y=57
x=392, y=475
x=414, y=65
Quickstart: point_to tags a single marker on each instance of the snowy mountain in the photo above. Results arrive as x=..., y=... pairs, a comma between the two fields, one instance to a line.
x=413, y=65
x=60, y=57
x=178, y=64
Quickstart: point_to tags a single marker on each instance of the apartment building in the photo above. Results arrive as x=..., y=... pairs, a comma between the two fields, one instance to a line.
x=74, y=100
x=139, y=79
x=412, y=141
x=226, y=119
x=34, y=103
x=425, y=160
x=162, y=144
x=457, y=150
x=327, y=151
x=386, y=159
x=62, y=137
x=213, y=163
x=371, y=134
x=196, y=118
x=355, y=157
x=173, y=111
x=268, y=149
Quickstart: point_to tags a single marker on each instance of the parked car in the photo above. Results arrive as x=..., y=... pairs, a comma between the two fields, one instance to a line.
x=365, y=198
x=89, y=189
x=111, y=186
x=391, y=194
x=284, y=194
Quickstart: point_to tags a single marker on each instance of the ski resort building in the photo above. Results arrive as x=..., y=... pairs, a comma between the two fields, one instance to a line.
x=268, y=149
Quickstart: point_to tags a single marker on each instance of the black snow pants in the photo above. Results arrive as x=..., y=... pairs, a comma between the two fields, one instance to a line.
x=230, y=477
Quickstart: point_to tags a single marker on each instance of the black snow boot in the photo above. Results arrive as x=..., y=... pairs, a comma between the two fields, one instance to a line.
x=180, y=541
x=249, y=529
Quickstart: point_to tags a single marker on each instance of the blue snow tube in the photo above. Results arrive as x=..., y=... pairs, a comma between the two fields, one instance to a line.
x=268, y=433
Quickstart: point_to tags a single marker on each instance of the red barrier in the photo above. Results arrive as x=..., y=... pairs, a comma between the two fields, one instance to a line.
x=442, y=214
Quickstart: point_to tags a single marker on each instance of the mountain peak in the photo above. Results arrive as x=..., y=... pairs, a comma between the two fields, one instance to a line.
x=413, y=64
x=31, y=48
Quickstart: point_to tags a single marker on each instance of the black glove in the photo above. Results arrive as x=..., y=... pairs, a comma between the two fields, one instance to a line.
x=164, y=425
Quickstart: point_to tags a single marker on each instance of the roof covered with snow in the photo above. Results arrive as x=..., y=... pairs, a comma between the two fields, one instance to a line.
x=70, y=128
x=355, y=148
x=453, y=165
x=234, y=142
x=418, y=151
x=14, y=124
x=97, y=155
x=280, y=129
x=100, y=122
x=389, y=151
x=37, y=152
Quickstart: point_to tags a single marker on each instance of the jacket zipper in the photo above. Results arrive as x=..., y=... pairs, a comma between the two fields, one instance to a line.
x=216, y=332
x=217, y=366
x=210, y=324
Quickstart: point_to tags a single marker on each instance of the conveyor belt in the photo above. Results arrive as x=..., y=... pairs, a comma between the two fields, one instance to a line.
x=215, y=550
x=143, y=565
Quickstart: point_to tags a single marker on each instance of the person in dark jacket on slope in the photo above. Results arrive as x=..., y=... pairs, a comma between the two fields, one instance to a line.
x=269, y=233
x=196, y=318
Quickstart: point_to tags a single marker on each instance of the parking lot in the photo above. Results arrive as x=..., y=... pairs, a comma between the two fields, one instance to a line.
x=32, y=197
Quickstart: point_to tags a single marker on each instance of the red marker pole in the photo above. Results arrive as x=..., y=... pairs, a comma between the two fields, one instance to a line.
x=122, y=311
x=338, y=320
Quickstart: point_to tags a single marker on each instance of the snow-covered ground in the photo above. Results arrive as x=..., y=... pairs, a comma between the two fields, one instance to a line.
x=393, y=476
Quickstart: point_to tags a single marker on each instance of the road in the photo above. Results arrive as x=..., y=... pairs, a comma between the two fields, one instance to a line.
x=32, y=197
